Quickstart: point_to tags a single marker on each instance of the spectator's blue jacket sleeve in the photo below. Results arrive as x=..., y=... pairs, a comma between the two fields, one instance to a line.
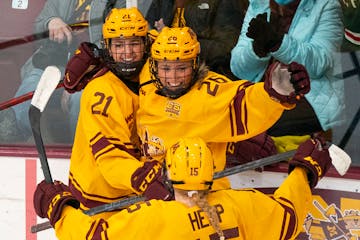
x=314, y=40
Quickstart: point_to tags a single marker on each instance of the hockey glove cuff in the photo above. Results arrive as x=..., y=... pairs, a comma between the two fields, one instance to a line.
x=81, y=68
x=149, y=181
x=287, y=83
x=50, y=198
x=313, y=155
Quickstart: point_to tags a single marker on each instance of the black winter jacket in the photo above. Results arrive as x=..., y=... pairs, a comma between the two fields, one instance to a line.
x=217, y=24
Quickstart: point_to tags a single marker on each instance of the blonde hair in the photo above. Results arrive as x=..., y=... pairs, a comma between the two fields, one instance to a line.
x=202, y=73
x=199, y=198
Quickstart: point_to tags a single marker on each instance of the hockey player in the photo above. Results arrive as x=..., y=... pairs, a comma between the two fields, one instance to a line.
x=106, y=146
x=184, y=99
x=197, y=213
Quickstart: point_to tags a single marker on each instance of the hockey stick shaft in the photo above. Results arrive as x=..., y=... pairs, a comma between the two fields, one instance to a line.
x=92, y=211
x=21, y=99
x=115, y=205
x=255, y=164
x=34, y=116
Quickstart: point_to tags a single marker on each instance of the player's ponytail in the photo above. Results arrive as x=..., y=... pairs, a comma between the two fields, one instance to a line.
x=199, y=198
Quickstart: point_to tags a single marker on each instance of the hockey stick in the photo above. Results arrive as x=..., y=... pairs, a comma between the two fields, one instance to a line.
x=339, y=159
x=342, y=159
x=131, y=3
x=46, y=86
x=22, y=98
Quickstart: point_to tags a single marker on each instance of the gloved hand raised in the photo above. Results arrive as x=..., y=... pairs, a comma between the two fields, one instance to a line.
x=81, y=68
x=313, y=155
x=287, y=83
x=149, y=181
x=267, y=36
x=50, y=198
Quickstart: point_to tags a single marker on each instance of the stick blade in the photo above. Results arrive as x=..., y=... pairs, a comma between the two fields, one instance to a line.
x=339, y=159
x=131, y=3
x=46, y=86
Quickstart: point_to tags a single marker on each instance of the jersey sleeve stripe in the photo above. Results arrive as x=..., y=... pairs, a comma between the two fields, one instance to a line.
x=100, y=230
x=99, y=145
x=87, y=199
x=240, y=124
x=289, y=225
x=228, y=234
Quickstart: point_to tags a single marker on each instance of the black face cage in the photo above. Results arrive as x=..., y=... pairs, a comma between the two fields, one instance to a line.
x=164, y=90
x=125, y=71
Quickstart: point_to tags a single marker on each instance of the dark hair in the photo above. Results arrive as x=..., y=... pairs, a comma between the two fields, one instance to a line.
x=110, y=4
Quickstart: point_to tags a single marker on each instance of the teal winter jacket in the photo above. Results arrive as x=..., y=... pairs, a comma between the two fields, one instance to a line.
x=314, y=40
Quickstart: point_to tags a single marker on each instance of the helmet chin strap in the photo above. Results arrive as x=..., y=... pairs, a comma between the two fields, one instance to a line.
x=126, y=71
x=174, y=94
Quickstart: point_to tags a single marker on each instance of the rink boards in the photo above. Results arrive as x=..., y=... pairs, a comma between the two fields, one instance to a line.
x=335, y=210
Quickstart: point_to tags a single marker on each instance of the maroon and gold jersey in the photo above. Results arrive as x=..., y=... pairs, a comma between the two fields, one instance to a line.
x=104, y=153
x=215, y=109
x=244, y=214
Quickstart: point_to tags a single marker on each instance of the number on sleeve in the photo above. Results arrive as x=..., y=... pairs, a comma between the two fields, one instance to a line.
x=102, y=105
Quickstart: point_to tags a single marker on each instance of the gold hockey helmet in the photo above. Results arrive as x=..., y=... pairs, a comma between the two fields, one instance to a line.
x=175, y=44
x=124, y=22
x=190, y=164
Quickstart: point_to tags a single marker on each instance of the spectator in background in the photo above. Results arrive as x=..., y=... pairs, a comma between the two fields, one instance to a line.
x=304, y=31
x=216, y=23
x=198, y=212
x=57, y=17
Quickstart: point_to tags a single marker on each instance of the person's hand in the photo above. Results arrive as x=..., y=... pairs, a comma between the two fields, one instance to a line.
x=82, y=67
x=50, y=198
x=287, y=83
x=59, y=31
x=159, y=25
x=267, y=36
x=313, y=155
x=150, y=181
